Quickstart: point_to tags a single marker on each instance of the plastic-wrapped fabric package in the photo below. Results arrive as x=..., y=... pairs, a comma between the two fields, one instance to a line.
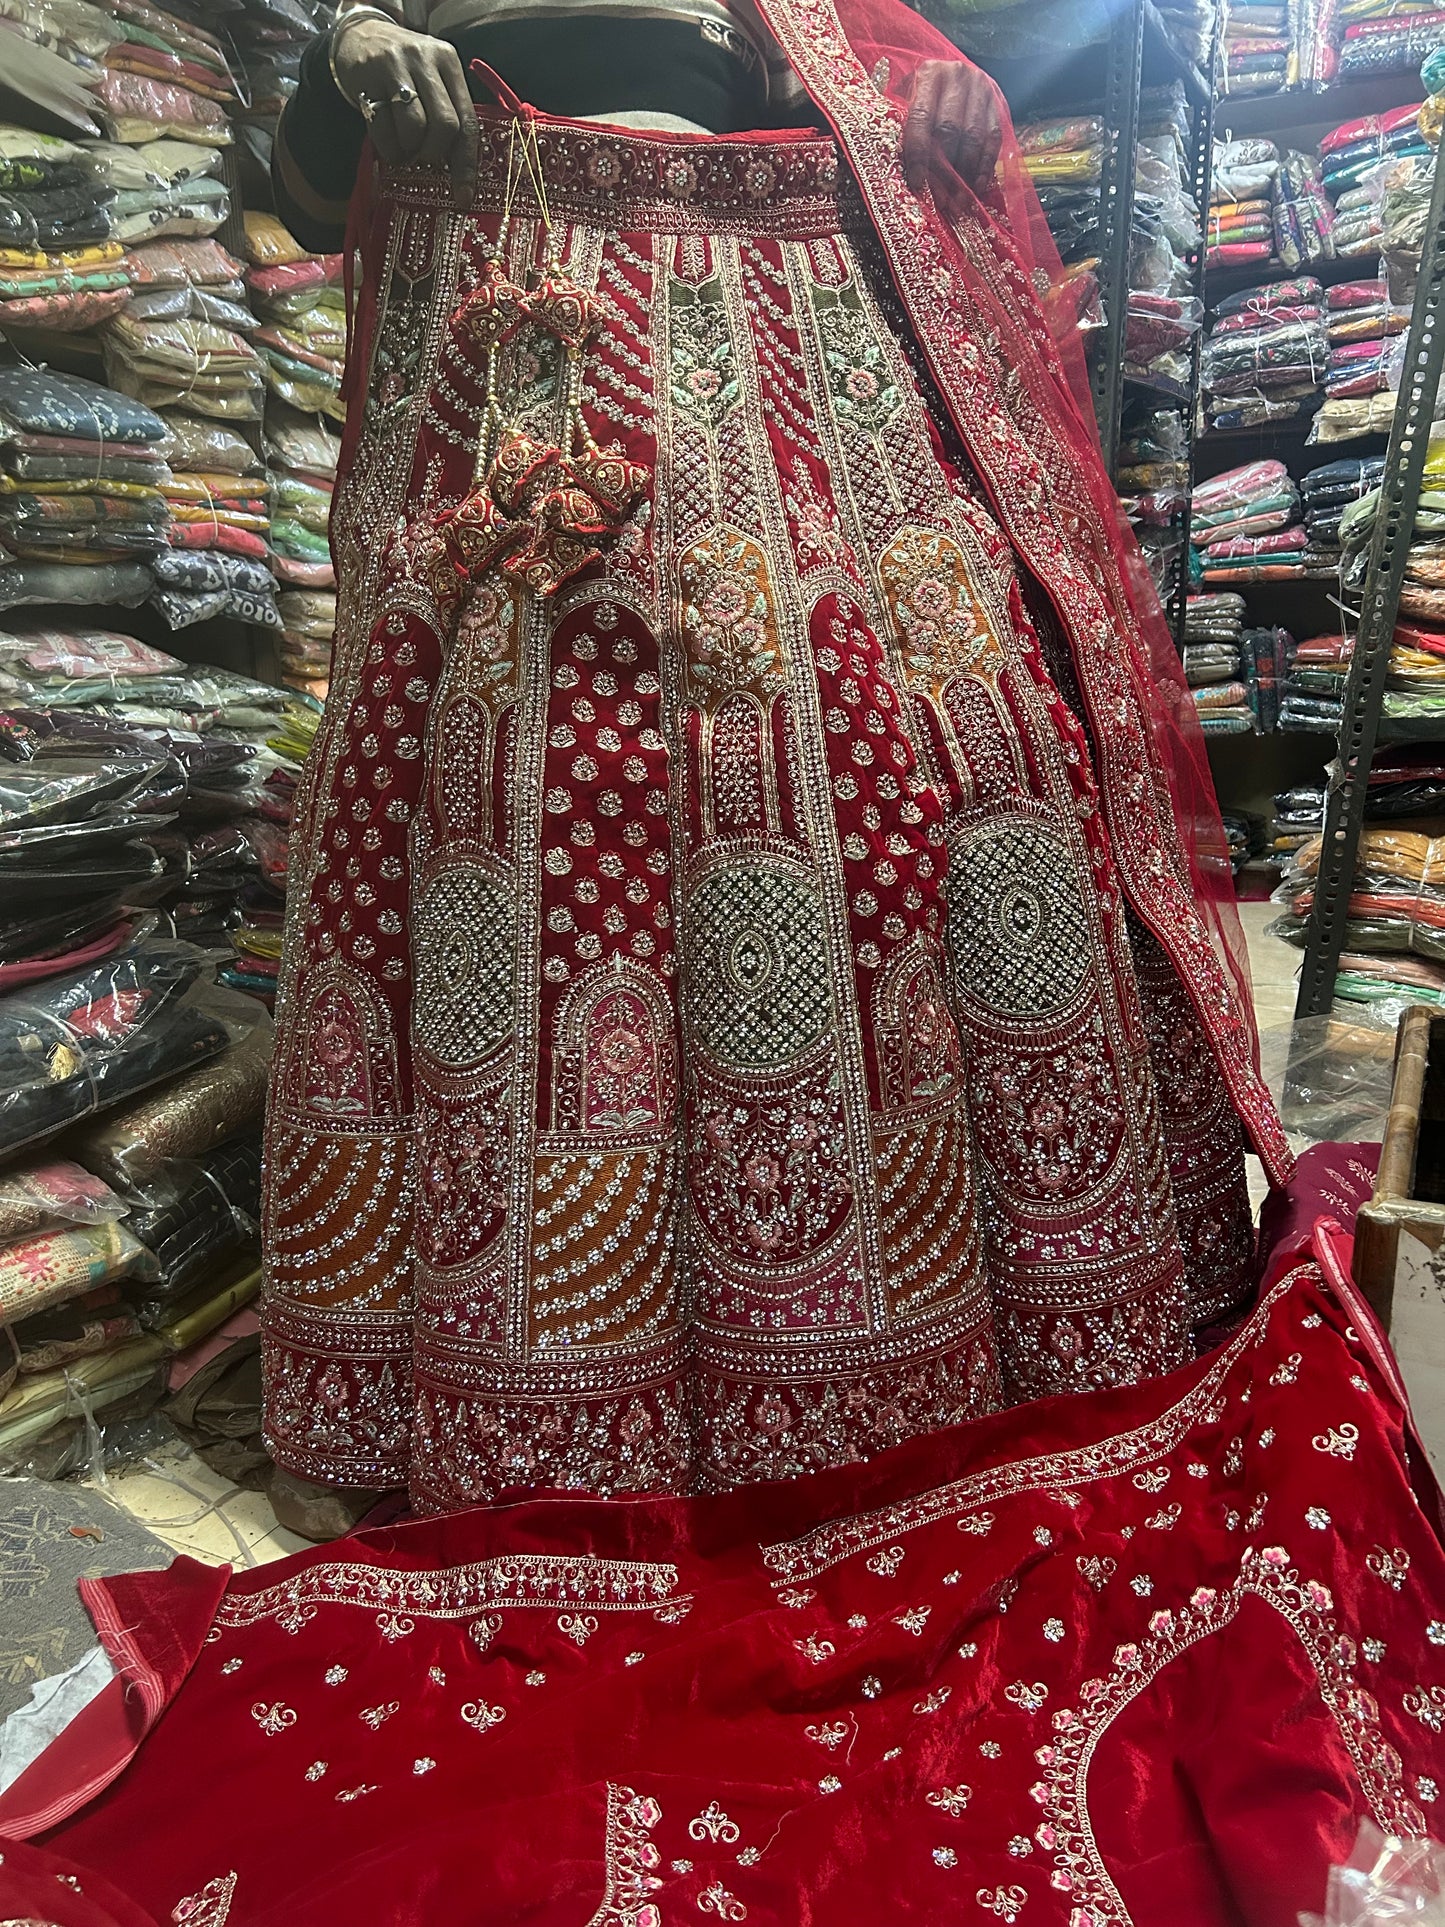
x=1255, y=53
x=1313, y=695
x=195, y=1213
x=1348, y=152
x=1303, y=216
x=61, y=519
x=1391, y=46
x=301, y=302
x=1265, y=656
x=1266, y=355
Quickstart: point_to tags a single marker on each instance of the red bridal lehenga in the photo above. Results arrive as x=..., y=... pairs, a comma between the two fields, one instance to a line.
x=748, y=997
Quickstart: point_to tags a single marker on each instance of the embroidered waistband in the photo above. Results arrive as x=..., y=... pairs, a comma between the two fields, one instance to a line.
x=623, y=178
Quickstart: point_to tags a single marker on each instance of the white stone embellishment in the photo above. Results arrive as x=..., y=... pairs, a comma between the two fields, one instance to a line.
x=951, y=1800
x=1054, y=1630
x=830, y=1783
x=273, y=1719
x=232, y=1666
x=713, y=1824
x=536, y=1677
x=944, y=1857
x=423, y=1765
x=316, y=1770
x=334, y=1675
x=478, y=1714
x=1317, y=1518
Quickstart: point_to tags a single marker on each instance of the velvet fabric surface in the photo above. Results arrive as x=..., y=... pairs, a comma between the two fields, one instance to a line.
x=1146, y=1655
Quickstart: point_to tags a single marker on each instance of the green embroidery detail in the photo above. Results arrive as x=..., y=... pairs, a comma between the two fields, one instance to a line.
x=860, y=382
x=704, y=368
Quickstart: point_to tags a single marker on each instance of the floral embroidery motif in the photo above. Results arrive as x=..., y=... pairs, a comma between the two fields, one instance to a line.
x=717, y=1900
x=704, y=367
x=273, y=1719
x=713, y=1824
x=952, y=1800
x=864, y=393
x=1308, y=1607
x=1339, y=1442
x=376, y=1716
x=578, y=1627
x=455, y=1592
x=943, y=629
x=478, y=1714
x=1427, y=1704
x=630, y=1859
x=1392, y=1568
x=211, y=1907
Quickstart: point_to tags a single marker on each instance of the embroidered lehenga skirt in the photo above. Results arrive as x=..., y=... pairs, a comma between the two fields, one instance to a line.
x=714, y=1041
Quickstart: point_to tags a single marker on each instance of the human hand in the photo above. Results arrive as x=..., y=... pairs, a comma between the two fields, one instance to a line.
x=953, y=115
x=413, y=94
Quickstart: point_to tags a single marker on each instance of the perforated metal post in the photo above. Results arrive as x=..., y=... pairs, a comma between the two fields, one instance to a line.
x=1369, y=666
x=1201, y=133
x=1122, y=79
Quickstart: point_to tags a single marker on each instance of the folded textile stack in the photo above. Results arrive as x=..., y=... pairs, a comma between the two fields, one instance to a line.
x=183, y=360
x=164, y=78
x=187, y=1160
x=1397, y=896
x=1240, y=233
x=1327, y=492
x=1243, y=181
x=1299, y=814
x=1350, y=151
x=1266, y=355
x=62, y=264
x=64, y=1252
x=1212, y=670
x=1256, y=48
x=258, y=940
x=301, y=301
x=161, y=189
x=1314, y=57
x=1214, y=618
x=1245, y=525
x=82, y=507
x=1303, y=215
x=303, y=337
x=1265, y=656
x=106, y=1278
x=1192, y=25
x=1314, y=690
x=1406, y=185
x=1245, y=836
x=218, y=562
x=1391, y=39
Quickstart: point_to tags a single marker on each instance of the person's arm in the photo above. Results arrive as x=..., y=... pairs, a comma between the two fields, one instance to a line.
x=407, y=87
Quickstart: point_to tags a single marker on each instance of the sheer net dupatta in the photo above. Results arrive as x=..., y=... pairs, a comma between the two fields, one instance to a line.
x=984, y=285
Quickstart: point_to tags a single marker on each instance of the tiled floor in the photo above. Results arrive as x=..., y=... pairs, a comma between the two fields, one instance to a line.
x=192, y=1509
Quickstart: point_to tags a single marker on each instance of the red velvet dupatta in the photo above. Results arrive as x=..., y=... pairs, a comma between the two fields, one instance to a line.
x=1146, y=1655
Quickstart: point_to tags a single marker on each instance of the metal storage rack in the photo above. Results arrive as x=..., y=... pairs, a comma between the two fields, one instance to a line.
x=1389, y=550
x=1118, y=53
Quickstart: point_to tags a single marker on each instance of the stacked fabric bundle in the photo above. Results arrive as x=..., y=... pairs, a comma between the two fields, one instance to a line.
x=301, y=302
x=61, y=263
x=1265, y=656
x=218, y=564
x=82, y=509
x=1212, y=670
x=163, y=188
x=1350, y=151
x=107, y=1278
x=1245, y=525
x=1299, y=814
x=164, y=78
x=258, y=941
x=1240, y=233
x=64, y=1254
x=1314, y=689
x=1314, y=57
x=1327, y=492
x=1159, y=333
x=1266, y=355
x=1397, y=896
x=303, y=337
x=1303, y=215
x=1387, y=36
x=271, y=36
x=183, y=360
x=1256, y=47
x=1406, y=185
